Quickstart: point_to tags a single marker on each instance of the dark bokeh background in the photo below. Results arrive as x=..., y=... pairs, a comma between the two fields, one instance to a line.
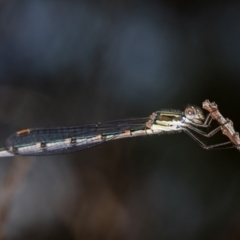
x=75, y=62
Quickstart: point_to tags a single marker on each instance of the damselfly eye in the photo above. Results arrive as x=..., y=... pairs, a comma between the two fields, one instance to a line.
x=190, y=112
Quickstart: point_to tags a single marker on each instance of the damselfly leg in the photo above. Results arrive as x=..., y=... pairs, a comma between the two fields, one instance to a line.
x=203, y=145
x=189, y=129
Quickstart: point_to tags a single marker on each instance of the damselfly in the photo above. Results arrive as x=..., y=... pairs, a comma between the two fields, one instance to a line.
x=45, y=141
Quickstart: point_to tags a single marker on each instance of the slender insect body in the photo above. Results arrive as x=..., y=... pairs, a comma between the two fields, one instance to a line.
x=45, y=141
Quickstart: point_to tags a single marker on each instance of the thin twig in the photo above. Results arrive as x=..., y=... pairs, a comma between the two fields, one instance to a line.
x=226, y=124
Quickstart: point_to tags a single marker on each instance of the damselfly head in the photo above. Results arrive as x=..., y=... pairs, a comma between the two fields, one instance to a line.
x=194, y=114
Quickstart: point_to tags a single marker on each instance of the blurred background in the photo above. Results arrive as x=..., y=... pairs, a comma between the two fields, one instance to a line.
x=72, y=62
